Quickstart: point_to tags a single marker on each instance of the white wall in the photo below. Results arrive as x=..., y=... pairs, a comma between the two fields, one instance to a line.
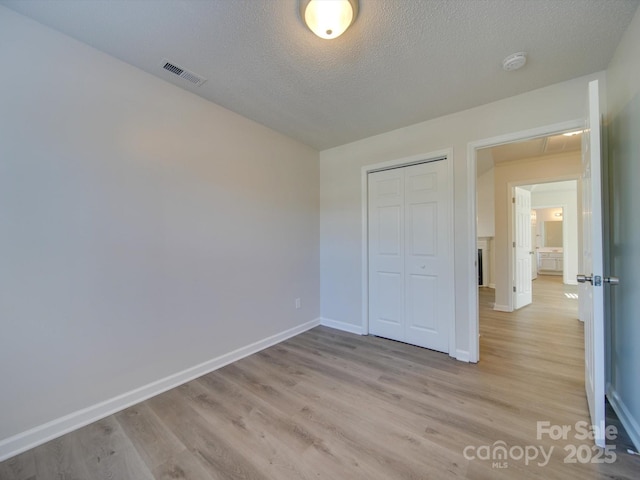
x=623, y=98
x=486, y=204
x=143, y=230
x=340, y=184
x=485, y=214
x=568, y=199
x=523, y=172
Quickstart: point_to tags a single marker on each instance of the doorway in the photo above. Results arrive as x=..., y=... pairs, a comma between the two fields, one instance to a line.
x=540, y=160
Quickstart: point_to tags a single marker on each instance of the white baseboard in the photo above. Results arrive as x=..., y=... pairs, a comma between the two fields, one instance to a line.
x=629, y=423
x=502, y=308
x=21, y=442
x=346, y=327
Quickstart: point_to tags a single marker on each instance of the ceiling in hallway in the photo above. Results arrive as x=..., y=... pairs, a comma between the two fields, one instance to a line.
x=487, y=158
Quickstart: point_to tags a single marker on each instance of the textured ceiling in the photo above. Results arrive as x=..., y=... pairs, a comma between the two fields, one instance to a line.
x=402, y=62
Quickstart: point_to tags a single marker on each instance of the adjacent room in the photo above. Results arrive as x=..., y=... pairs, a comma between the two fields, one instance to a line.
x=295, y=239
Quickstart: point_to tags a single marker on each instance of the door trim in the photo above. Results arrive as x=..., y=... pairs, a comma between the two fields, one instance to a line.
x=472, y=275
x=438, y=155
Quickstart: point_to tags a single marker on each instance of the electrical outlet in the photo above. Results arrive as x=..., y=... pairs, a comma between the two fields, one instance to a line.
x=297, y=303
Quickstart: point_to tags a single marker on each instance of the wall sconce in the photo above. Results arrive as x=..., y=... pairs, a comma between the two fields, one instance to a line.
x=328, y=19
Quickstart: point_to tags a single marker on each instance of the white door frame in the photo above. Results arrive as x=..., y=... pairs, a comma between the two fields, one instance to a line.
x=445, y=155
x=472, y=148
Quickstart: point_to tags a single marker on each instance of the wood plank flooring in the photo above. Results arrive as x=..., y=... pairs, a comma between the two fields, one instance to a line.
x=328, y=404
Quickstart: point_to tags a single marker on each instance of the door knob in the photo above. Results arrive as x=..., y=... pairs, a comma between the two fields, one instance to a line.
x=584, y=278
x=597, y=280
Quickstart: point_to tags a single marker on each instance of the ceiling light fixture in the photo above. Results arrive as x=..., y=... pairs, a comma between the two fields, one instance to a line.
x=571, y=134
x=514, y=61
x=328, y=19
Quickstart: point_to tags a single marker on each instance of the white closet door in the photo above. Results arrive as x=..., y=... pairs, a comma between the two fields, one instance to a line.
x=410, y=267
x=386, y=254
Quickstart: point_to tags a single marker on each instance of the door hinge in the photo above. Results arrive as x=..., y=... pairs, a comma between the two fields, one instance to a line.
x=514, y=289
x=513, y=199
x=514, y=244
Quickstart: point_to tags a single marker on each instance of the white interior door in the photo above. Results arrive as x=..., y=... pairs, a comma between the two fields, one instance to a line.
x=410, y=260
x=591, y=291
x=522, y=245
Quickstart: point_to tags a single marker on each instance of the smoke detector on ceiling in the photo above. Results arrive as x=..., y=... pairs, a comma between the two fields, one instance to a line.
x=514, y=61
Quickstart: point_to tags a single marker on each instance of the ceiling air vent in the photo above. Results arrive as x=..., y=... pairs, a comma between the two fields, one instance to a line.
x=191, y=77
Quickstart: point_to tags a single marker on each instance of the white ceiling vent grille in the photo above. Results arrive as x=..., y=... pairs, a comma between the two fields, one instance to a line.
x=191, y=77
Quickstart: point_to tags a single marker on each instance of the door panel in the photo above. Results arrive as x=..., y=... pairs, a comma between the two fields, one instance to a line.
x=421, y=310
x=389, y=219
x=386, y=254
x=591, y=294
x=427, y=257
x=390, y=298
x=424, y=228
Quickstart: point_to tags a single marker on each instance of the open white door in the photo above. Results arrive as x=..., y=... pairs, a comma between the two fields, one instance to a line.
x=522, y=246
x=591, y=280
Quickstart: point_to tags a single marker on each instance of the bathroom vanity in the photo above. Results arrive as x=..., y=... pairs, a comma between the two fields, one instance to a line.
x=550, y=261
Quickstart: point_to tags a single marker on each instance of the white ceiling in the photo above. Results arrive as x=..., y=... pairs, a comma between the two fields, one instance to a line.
x=402, y=62
x=569, y=185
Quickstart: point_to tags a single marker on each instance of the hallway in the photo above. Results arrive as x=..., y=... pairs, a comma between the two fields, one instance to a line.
x=548, y=330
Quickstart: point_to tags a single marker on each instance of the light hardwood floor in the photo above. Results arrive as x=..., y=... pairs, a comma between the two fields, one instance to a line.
x=333, y=405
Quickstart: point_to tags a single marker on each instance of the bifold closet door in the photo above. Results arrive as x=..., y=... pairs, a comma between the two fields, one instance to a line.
x=410, y=267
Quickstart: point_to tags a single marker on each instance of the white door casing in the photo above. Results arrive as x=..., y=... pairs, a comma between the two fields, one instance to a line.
x=522, y=248
x=591, y=294
x=410, y=256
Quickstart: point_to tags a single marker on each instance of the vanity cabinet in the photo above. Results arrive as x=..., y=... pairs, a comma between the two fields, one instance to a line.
x=550, y=262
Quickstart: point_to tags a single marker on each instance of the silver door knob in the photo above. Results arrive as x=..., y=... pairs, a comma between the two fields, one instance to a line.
x=612, y=280
x=584, y=278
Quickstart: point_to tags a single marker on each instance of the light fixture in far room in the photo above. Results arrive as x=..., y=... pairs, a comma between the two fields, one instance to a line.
x=328, y=19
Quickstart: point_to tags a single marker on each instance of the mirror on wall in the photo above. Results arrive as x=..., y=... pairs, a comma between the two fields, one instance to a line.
x=547, y=223
x=552, y=234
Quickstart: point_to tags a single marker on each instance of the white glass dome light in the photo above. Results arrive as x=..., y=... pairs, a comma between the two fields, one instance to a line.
x=328, y=19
